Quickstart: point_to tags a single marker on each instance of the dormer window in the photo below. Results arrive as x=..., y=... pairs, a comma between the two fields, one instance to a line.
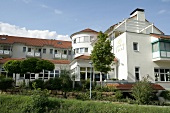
x=59, y=42
x=3, y=38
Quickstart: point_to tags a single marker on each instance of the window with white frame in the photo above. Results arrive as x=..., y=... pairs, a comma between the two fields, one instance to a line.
x=81, y=50
x=86, y=50
x=29, y=49
x=162, y=74
x=51, y=51
x=135, y=46
x=137, y=73
x=86, y=39
x=44, y=50
x=24, y=49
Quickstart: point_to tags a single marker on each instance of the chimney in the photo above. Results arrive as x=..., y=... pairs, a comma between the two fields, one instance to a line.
x=139, y=13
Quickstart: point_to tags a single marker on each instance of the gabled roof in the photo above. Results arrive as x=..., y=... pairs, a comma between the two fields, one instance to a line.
x=160, y=36
x=3, y=60
x=88, y=30
x=84, y=57
x=4, y=39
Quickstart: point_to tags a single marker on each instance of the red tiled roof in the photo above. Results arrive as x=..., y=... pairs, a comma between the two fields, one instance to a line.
x=2, y=61
x=160, y=36
x=129, y=86
x=88, y=30
x=60, y=61
x=4, y=39
x=84, y=57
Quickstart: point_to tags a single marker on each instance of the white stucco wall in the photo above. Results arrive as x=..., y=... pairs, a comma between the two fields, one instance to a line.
x=141, y=58
x=83, y=44
x=120, y=51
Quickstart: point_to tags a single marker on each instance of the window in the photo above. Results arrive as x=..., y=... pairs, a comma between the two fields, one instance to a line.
x=86, y=49
x=155, y=47
x=74, y=41
x=69, y=52
x=86, y=39
x=29, y=49
x=135, y=46
x=24, y=49
x=55, y=51
x=77, y=39
x=39, y=50
x=91, y=38
x=74, y=51
x=44, y=50
x=81, y=50
x=65, y=52
x=137, y=73
x=162, y=74
x=81, y=39
x=77, y=50
x=51, y=51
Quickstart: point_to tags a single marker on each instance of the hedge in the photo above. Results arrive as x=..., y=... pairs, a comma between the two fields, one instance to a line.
x=17, y=104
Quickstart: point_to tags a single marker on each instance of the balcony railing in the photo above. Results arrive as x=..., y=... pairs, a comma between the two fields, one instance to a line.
x=30, y=54
x=57, y=56
x=64, y=56
x=161, y=56
x=37, y=54
x=4, y=52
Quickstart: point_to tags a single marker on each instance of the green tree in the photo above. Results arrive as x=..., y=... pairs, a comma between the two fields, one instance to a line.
x=101, y=55
x=29, y=65
x=142, y=91
x=12, y=66
x=45, y=64
x=66, y=82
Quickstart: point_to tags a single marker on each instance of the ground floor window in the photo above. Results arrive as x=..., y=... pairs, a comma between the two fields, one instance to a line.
x=162, y=74
x=137, y=74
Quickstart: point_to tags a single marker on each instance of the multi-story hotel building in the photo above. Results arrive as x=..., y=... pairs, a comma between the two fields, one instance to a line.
x=20, y=48
x=140, y=49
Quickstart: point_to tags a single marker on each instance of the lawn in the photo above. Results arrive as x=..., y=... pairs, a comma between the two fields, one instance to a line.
x=18, y=103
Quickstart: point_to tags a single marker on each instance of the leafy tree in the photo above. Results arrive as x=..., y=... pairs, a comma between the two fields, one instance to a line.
x=142, y=91
x=66, y=82
x=101, y=55
x=45, y=64
x=12, y=66
x=29, y=65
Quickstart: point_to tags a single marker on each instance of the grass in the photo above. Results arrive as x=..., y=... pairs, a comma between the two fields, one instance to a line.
x=16, y=103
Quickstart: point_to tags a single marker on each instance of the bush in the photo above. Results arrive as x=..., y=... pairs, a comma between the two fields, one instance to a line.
x=6, y=83
x=53, y=84
x=142, y=91
x=118, y=95
x=39, y=102
x=39, y=84
x=165, y=94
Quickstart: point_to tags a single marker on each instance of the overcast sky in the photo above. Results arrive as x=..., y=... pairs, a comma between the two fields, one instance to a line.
x=58, y=19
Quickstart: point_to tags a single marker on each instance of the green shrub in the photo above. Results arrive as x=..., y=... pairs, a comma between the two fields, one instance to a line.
x=39, y=102
x=118, y=95
x=165, y=94
x=6, y=83
x=39, y=83
x=142, y=91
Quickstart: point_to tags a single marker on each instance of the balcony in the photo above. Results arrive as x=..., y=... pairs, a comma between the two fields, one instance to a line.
x=64, y=56
x=5, y=52
x=161, y=56
x=37, y=54
x=30, y=54
x=57, y=56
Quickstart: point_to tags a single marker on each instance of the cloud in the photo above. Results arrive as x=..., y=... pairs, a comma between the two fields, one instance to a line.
x=44, y=6
x=162, y=11
x=56, y=11
x=165, y=0
x=12, y=30
x=26, y=1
